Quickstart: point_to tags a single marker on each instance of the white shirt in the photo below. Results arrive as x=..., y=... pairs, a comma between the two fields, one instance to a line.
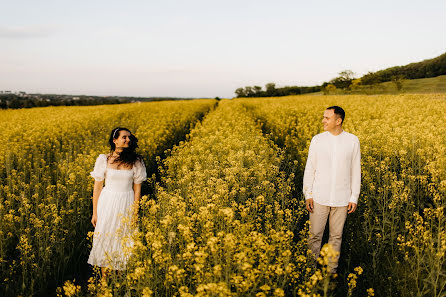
x=332, y=174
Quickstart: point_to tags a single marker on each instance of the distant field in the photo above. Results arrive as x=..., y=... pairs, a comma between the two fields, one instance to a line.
x=410, y=86
x=422, y=85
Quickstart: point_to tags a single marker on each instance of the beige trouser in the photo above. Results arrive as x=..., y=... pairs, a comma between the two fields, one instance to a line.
x=318, y=219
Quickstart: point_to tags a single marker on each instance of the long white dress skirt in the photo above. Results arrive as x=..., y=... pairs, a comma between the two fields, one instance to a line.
x=112, y=234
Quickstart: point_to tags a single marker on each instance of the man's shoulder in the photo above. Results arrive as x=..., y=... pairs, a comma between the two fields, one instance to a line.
x=320, y=135
x=316, y=138
x=351, y=136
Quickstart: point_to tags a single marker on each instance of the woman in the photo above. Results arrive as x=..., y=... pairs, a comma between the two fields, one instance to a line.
x=123, y=171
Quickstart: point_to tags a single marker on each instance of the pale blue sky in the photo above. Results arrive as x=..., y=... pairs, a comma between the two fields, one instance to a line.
x=206, y=48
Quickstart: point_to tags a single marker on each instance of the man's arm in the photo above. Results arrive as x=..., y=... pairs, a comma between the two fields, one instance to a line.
x=309, y=173
x=355, y=176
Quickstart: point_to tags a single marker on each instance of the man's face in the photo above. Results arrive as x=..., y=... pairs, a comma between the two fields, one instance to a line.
x=331, y=120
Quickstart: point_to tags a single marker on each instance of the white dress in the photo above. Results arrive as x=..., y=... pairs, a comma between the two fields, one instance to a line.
x=111, y=234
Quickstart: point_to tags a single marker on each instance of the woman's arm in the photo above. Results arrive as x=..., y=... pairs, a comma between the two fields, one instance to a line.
x=137, y=190
x=98, y=185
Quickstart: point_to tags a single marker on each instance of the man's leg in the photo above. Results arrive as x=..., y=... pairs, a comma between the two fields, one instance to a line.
x=336, y=226
x=318, y=219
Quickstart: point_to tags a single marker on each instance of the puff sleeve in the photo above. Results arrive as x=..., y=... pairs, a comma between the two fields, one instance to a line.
x=99, y=168
x=139, y=172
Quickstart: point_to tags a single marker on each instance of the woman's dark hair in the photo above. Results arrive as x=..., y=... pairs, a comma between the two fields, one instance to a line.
x=339, y=111
x=128, y=154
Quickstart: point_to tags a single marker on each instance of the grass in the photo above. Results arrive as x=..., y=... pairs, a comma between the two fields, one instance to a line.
x=421, y=85
x=410, y=86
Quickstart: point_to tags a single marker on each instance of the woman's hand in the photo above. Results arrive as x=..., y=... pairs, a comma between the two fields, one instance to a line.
x=94, y=219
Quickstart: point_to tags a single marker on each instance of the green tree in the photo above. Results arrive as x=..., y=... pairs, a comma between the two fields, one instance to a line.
x=355, y=85
x=344, y=79
x=347, y=75
x=240, y=92
x=329, y=89
x=398, y=81
x=257, y=90
x=270, y=89
x=249, y=92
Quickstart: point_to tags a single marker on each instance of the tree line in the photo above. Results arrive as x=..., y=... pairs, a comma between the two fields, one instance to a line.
x=347, y=82
x=14, y=101
x=272, y=91
x=424, y=69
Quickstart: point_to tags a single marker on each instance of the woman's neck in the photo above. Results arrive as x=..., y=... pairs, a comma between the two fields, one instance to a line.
x=115, y=153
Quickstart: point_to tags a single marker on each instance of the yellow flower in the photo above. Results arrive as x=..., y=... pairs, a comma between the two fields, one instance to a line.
x=70, y=289
x=146, y=292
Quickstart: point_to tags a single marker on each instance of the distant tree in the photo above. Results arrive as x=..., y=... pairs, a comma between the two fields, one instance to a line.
x=240, y=92
x=29, y=104
x=15, y=103
x=270, y=89
x=398, y=81
x=293, y=90
x=355, y=85
x=329, y=89
x=249, y=92
x=370, y=78
x=347, y=74
x=344, y=79
x=257, y=91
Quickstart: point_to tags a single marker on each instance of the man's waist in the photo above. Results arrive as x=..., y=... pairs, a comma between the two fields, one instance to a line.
x=335, y=203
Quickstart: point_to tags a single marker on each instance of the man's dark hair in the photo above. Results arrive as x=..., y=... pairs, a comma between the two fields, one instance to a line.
x=339, y=111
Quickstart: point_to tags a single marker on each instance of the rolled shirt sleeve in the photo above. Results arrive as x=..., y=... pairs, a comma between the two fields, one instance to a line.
x=140, y=173
x=310, y=169
x=99, y=168
x=356, y=173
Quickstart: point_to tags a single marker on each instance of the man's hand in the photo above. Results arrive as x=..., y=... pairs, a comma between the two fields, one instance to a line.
x=309, y=204
x=351, y=207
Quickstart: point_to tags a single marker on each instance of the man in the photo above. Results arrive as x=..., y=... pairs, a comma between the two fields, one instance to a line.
x=332, y=181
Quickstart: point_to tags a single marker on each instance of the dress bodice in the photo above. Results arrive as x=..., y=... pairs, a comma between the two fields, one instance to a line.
x=119, y=180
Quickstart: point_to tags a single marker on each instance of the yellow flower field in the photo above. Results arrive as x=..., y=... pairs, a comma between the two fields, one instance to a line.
x=45, y=192
x=399, y=234
x=220, y=224
x=226, y=215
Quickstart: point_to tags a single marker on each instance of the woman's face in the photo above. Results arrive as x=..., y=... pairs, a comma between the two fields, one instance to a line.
x=123, y=140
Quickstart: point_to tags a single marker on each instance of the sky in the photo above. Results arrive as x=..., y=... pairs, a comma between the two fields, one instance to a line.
x=206, y=48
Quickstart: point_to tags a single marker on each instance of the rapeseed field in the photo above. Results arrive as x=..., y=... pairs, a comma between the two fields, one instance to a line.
x=225, y=213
